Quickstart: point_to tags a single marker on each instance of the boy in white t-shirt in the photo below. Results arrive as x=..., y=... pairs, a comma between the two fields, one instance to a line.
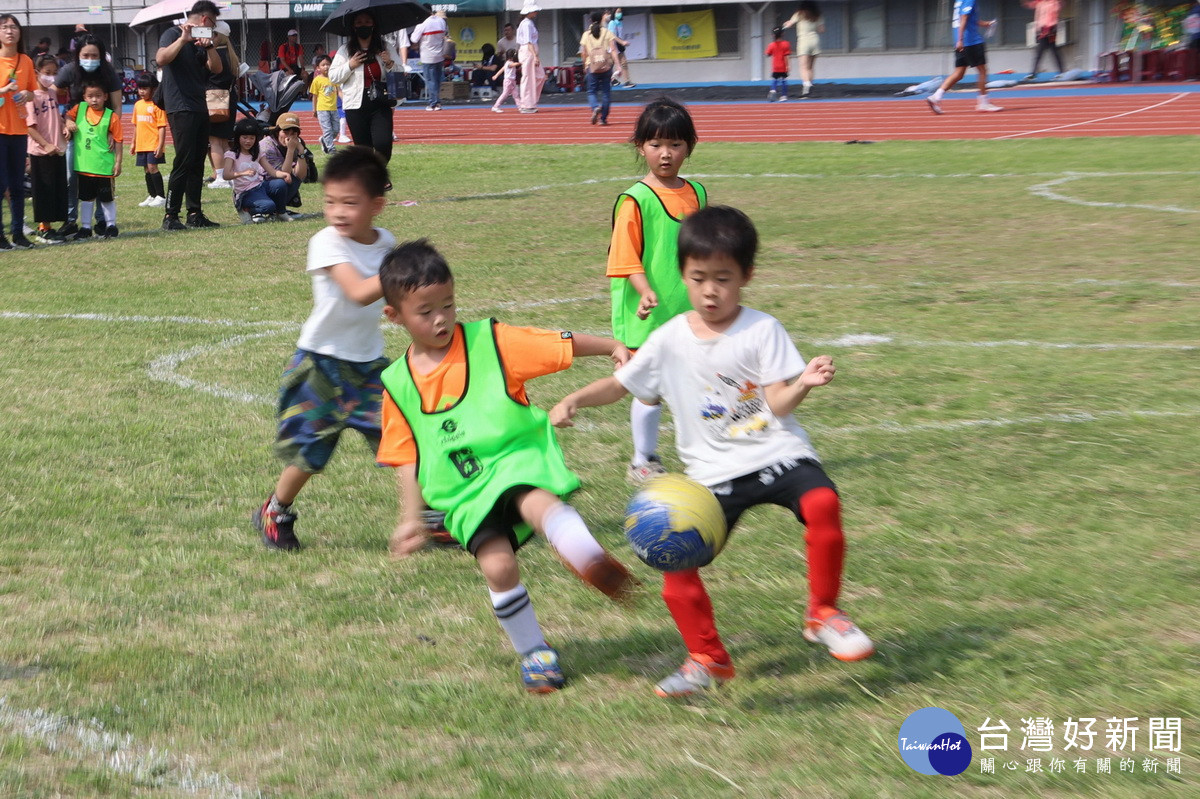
x=333, y=381
x=732, y=378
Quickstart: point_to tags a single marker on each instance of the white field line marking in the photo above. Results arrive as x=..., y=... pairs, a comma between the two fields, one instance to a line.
x=1173, y=284
x=118, y=752
x=1065, y=417
x=871, y=339
x=1046, y=190
x=175, y=320
x=165, y=369
x=1093, y=121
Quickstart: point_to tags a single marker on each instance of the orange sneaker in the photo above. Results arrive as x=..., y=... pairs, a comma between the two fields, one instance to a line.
x=697, y=674
x=834, y=629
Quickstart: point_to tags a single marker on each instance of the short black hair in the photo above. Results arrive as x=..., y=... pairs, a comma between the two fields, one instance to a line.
x=361, y=164
x=93, y=82
x=777, y=33
x=718, y=230
x=146, y=80
x=205, y=7
x=664, y=119
x=409, y=266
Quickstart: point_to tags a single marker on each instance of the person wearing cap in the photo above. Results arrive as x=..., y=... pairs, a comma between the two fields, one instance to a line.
x=284, y=150
x=532, y=75
x=291, y=54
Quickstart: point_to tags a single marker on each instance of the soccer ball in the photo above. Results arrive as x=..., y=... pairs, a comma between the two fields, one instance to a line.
x=674, y=523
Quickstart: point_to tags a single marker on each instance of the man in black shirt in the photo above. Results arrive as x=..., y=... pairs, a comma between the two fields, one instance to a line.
x=186, y=64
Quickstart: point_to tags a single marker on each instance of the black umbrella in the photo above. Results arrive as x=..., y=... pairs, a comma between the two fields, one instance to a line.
x=390, y=15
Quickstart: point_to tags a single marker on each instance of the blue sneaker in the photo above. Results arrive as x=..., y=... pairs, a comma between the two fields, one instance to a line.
x=540, y=671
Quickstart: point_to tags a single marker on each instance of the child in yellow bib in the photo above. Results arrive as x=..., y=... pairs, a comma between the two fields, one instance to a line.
x=468, y=442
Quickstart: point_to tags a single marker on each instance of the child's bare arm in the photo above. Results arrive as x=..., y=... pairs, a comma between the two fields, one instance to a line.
x=161, y=147
x=363, y=290
x=784, y=396
x=118, y=153
x=604, y=391
x=410, y=532
x=583, y=344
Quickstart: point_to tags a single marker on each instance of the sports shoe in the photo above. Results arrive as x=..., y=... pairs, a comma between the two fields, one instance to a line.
x=610, y=577
x=110, y=232
x=834, y=629
x=651, y=468
x=629, y=84
x=258, y=219
x=156, y=202
x=275, y=526
x=595, y=115
x=68, y=230
x=784, y=98
x=171, y=222
x=21, y=243
x=428, y=108
x=287, y=216
x=439, y=536
x=540, y=671
x=82, y=233
x=497, y=110
x=987, y=106
x=197, y=219
x=5, y=244
x=220, y=183
x=146, y=202
x=529, y=110
x=934, y=105
x=697, y=674
x=772, y=96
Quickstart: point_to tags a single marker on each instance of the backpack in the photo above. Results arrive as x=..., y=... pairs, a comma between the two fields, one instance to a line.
x=598, y=58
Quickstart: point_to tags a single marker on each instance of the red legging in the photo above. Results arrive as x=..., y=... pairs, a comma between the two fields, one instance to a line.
x=688, y=602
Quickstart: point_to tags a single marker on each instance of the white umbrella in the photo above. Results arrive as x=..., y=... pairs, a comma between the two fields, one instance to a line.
x=160, y=11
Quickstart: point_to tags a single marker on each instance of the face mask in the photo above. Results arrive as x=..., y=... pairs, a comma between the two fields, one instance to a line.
x=47, y=80
x=89, y=64
x=364, y=31
x=617, y=16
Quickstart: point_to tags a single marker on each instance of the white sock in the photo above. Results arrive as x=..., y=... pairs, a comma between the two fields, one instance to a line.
x=808, y=84
x=219, y=172
x=514, y=611
x=937, y=95
x=85, y=213
x=110, y=212
x=568, y=534
x=643, y=419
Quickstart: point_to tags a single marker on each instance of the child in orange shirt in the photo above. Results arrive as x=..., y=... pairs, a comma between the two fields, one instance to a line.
x=97, y=153
x=17, y=88
x=149, y=140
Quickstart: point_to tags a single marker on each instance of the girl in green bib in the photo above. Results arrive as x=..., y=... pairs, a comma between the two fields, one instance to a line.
x=467, y=442
x=642, y=264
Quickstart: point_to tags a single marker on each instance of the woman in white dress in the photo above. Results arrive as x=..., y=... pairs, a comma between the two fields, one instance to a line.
x=809, y=27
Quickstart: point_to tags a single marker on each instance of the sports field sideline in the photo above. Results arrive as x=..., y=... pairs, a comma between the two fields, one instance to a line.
x=1012, y=429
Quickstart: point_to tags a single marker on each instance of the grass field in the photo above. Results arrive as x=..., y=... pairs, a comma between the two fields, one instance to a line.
x=1013, y=429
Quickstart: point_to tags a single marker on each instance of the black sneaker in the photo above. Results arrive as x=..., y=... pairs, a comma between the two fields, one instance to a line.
x=171, y=222
x=110, y=232
x=275, y=527
x=68, y=230
x=197, y=219
x=21, y=243
x=82, y=233
x=99, y=229
x=4, y=244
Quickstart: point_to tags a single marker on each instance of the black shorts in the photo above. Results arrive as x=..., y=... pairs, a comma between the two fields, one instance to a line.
x=92, y=187
x=501, y=522
x=145, y=157
x=972, y=55
x=782, y=484
x=778, y=75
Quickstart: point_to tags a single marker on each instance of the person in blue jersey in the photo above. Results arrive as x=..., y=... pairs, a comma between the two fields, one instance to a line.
x=969, y=51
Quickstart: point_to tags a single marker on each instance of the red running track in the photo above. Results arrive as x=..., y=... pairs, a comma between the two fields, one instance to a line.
x=1024, y=116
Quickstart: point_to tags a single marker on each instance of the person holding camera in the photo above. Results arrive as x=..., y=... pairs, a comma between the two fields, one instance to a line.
x=360, y=68
x=188, y=56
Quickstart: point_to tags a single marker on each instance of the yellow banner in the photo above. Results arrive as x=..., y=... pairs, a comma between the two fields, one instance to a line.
x=691, y=34
x=470, y=34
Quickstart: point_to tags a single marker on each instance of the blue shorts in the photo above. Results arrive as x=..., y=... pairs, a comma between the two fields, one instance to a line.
x=146, y=157
x=320, y=396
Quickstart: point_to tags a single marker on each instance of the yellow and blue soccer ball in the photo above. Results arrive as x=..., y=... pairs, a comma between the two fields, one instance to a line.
x=674, y=523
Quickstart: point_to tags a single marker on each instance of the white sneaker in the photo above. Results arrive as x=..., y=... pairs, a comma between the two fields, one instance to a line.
x=986, y=105
x=839, y=634
x=345, y=140
x=498, y=110
x=220, y=183
x=156, y=202
x=146, y=202
x=934, y=105
x=771, y=96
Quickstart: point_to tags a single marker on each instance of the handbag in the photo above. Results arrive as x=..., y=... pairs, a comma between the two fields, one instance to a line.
x=377, y=94
x=217, y=101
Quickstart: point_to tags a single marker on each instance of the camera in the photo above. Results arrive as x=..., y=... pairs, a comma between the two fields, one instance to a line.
x=202, y=32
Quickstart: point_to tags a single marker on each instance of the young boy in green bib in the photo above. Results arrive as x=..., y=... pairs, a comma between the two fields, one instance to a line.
x=97, y=136
x=467, y=441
